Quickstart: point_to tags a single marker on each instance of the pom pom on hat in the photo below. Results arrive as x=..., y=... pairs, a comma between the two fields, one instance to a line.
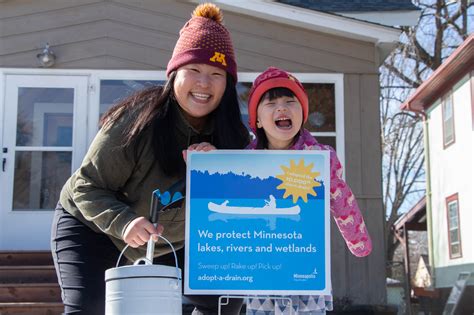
x=270, y=79
x=204, y=39
x=209, y=11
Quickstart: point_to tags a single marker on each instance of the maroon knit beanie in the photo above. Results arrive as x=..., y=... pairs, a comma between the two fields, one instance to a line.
x=274, y=78
x=203, y=39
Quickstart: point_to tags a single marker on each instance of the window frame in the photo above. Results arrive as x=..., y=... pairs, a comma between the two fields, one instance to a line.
x=450, y=200
x=449, y=96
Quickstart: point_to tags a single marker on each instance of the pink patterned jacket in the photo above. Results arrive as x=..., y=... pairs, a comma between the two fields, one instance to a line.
x=344, y=207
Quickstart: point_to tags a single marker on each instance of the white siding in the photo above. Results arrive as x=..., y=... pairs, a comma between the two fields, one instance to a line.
x=452, y=172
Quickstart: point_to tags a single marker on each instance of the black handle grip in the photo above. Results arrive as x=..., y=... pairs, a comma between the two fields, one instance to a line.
x=173, y=197
x=4, y=160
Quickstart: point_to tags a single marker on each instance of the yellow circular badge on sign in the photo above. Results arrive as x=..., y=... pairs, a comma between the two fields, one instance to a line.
x=298, y=180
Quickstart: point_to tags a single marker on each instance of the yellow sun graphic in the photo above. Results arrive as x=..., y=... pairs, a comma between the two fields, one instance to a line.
x=298, y=180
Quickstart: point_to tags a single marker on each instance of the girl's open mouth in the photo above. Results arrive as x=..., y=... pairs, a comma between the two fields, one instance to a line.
x=283, y=123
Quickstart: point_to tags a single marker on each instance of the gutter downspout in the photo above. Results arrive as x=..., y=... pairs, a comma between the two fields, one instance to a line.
x=429, y=216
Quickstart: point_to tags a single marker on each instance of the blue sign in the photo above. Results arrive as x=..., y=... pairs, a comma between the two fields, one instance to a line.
x=257, y=222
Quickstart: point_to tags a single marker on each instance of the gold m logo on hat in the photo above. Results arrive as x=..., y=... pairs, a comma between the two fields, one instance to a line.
x=218, y=57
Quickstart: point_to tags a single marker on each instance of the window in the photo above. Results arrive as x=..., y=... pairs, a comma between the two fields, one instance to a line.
x=43, y=146
x=113, y=91
x=448, y=120
x=322, y=110
x=454, y=233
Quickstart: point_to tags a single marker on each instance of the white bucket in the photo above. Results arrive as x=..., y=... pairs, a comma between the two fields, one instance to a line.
x=143, y=289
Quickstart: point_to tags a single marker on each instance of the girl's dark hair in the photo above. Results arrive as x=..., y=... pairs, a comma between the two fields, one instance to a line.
x=262, y=140
x=150, y=108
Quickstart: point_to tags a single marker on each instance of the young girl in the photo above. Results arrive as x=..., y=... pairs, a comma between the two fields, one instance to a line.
x=278, y=108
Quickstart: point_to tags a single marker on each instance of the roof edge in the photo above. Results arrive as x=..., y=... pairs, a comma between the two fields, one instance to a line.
x=452, y=69
x=390, y=18
x=407, y=216
x=348, y=7
x=313, y=20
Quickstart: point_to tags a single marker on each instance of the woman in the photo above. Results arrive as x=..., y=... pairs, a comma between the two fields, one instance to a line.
x=105, y=204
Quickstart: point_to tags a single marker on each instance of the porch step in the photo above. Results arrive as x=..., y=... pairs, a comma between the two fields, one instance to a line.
x=28, y=284
x=27, y=274
x=31, y=308
x=30, y=292
x=25, y=258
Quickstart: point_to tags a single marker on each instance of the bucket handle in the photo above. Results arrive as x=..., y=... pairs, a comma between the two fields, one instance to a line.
x=147, y=261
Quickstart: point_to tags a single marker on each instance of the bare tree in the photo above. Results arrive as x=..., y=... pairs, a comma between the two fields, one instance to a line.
x=442, y=27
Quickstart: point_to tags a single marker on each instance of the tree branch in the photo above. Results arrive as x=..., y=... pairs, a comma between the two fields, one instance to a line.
x=399, y=74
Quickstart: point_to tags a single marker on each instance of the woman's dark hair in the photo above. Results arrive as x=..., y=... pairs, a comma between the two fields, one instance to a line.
x=150, y=108
x=262, y=140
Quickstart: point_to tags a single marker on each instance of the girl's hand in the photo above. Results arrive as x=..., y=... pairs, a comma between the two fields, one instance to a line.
x=203, y=146
x=139, y=231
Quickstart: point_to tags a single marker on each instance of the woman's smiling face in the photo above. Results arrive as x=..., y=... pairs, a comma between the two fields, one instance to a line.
x=281, y=118
x=199, y=88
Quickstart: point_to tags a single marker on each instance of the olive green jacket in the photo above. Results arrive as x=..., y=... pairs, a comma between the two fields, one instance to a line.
x=114, y=185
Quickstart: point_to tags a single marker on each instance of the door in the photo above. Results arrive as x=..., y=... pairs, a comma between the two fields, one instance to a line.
x=44, y=118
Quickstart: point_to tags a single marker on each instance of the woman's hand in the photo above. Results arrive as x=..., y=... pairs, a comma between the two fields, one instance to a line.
x=203, y=146
x=139, y=231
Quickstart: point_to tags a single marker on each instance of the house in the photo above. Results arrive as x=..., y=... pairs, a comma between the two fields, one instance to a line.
x=411, y=231
x=51, y=98
x=446, y=102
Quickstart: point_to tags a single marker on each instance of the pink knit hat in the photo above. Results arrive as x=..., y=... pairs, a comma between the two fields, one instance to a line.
x=274, y=78
x=203, y=39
